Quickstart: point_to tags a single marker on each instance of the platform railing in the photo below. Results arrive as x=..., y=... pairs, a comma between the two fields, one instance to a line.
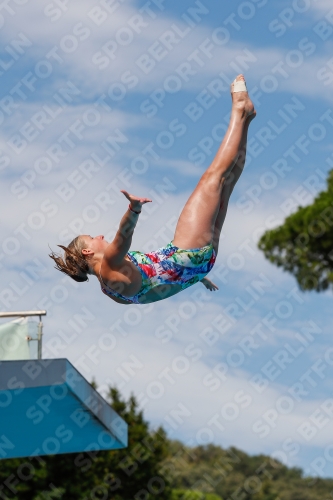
x=24, y=314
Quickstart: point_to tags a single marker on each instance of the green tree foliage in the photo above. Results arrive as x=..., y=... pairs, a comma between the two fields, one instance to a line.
x=193, y=495
x=232, y=474
x=135, y=468
x=303, y=245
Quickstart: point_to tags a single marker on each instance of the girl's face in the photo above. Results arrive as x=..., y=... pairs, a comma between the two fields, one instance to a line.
x=94, y=245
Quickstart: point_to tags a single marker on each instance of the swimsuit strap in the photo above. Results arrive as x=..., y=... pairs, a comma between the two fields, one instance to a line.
x=109, y=290
x=103, y=282
x=100, y=277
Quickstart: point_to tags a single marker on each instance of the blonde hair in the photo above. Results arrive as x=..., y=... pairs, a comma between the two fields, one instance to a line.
x=73, y=263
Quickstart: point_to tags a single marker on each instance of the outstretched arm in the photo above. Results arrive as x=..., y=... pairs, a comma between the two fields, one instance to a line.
x=121, y=244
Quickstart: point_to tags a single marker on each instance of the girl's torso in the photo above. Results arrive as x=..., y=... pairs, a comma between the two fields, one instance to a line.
x=146, y=278
x=115, y=284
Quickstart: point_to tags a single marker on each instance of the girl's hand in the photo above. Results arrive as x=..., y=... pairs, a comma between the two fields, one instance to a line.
x=209, y=284
x=136, y=201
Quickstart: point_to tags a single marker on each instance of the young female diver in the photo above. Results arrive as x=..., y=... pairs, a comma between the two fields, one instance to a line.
x=131, y=277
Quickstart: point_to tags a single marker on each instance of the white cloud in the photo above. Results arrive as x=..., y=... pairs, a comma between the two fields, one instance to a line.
x=322, y=6
x=78, y=65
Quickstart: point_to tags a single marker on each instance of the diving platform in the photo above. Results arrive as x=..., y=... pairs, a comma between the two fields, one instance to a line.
x=47, y=407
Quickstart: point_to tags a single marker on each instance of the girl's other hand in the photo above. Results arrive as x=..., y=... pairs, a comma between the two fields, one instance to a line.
x=209, y=284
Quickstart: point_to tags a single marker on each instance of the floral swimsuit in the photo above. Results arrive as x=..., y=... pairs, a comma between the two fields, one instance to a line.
x=168, y=265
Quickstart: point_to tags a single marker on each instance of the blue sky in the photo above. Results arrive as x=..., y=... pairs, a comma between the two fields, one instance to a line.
x=134, y=95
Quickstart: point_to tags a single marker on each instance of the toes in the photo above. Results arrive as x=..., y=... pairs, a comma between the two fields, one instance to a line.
x=239, y=78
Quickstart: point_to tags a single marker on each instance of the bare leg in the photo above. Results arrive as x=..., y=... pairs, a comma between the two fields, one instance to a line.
x=196, y=224
x=230, y=184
